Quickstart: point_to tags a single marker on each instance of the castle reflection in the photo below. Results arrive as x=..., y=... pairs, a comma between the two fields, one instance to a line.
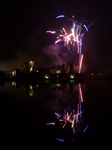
x=71, y=117
x=30, y=88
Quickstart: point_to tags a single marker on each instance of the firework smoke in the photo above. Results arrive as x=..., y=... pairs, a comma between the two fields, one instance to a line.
x=73, y=39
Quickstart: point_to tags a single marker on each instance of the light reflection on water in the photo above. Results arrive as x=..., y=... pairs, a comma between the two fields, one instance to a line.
x=73, y=115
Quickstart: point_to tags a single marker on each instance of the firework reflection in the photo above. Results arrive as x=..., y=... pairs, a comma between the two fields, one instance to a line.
x=72, y=118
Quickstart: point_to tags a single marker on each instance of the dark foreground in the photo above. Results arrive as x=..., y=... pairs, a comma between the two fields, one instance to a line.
x=23, y=118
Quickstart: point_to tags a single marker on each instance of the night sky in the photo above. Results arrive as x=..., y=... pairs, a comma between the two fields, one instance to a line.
x=23, y=36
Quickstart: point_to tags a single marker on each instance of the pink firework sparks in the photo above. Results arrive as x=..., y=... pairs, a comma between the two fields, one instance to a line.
x=74, y=37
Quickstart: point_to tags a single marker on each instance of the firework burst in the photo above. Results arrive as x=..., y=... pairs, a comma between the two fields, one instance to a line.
x=73, y=39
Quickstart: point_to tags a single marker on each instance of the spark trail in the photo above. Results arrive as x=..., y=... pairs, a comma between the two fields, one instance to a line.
x=73, y=39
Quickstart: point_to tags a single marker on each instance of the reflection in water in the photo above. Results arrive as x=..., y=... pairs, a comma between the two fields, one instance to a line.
x=68, y=114
x=31, y=92
x=71, y=116
x=30, y=88
x=74, y=117
x=14, y=83
x=27, y=88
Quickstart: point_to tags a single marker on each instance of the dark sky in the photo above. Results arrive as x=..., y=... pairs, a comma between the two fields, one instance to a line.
x=23, y=36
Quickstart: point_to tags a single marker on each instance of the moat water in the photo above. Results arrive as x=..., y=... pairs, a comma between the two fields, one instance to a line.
x=54, y=116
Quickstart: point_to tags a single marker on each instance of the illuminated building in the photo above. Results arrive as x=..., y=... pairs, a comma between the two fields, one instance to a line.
x=70, y=68
x=16, y=73
x=29, y=66
x=53, y=70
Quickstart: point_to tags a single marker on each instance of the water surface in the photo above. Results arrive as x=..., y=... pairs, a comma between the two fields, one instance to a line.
x=42, y=115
